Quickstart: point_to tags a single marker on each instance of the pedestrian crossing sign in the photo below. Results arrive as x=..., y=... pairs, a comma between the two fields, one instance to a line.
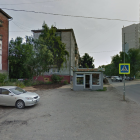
x=124, y=68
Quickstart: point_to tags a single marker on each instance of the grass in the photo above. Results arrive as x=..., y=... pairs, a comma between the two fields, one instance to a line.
x=104, y=89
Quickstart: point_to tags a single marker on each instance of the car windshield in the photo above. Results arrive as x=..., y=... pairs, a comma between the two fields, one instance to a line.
x=17, y=90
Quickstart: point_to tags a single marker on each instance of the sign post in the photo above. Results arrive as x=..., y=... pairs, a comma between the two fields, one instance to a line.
x=124, y=68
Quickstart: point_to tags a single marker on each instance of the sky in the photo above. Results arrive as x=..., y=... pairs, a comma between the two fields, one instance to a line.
x=100, y=38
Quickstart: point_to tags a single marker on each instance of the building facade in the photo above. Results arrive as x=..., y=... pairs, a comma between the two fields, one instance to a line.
x=4, y=39
x=68, y=38
x=131, y=36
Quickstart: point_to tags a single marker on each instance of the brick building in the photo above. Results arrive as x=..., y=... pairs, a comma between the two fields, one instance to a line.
x=4, y=39
x=67, y=37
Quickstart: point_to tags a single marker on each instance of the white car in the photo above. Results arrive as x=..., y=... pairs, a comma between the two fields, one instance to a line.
x=15, y=96
x=116, y=78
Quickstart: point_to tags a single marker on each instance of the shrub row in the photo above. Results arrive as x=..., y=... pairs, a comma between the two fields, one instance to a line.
x=4, y=81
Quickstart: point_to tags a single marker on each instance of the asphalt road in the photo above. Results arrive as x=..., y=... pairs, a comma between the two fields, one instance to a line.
x=63, y=114
x=132, y=89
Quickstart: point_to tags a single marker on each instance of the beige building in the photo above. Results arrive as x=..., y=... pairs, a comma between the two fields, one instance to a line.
x=67, y=37
x=132, y=37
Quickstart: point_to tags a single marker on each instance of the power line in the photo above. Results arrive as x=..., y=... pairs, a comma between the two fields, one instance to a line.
x=67, y=15
x=19, y=26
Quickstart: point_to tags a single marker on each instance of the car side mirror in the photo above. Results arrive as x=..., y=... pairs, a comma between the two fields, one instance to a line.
x=11, y=94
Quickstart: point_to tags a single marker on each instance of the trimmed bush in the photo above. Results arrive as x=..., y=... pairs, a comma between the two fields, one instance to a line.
x=56, y=78
x=65, y=82
x=3, y=77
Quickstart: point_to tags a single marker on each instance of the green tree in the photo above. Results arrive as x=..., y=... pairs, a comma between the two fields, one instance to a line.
x=116, y=59
x=86, y=61
x=19, y=54
x=34, y=57
x=53, y=43
x=134, y=60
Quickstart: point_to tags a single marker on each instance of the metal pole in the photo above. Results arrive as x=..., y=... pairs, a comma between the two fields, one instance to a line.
x=124, y=74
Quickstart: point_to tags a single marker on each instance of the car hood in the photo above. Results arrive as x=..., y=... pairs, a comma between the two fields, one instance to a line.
x=28, y=94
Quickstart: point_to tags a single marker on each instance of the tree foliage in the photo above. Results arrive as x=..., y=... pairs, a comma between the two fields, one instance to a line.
x=34, y=57
x=86, y=61
x=132, y=57
x=19, y=54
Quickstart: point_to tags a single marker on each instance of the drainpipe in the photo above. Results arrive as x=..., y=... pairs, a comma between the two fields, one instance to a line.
x=70, y=59
x=8, y=46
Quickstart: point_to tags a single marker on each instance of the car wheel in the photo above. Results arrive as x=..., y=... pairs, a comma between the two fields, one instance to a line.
x=20, y=104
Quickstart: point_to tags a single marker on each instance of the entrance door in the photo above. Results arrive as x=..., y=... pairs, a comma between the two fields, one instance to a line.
x=87, y=81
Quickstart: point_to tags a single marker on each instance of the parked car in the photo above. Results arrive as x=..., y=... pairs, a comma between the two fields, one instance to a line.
x=129, y=78
x=15, y=96
x=116, y=78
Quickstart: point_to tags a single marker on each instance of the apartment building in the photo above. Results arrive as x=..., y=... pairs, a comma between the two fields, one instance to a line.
x=131, y=35
x=4, y=39
x=67, y=37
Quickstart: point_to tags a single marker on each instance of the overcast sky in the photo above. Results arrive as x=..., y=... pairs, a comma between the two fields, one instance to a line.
x=100, y=38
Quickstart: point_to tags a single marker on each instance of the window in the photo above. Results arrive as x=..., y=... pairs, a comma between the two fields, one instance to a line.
x=58, y=34
x=95, y=79
x=80, y=79
x=5, y=91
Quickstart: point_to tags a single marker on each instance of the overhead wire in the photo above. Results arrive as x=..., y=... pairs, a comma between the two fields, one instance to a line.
x=19, y=26
x=68, y=15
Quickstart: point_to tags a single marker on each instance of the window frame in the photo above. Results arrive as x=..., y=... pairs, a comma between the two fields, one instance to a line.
x=4, y=89
x=99, y=79
x=79, y=76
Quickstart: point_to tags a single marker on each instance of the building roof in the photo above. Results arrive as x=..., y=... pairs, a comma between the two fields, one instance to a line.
x=88, y=69
x=5, y=14
x=59, y=30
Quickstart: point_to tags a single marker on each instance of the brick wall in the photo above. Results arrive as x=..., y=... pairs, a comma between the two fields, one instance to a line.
x=4, y=32
x=41, y=78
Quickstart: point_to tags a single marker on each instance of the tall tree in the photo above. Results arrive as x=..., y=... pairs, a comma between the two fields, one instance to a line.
x=19, y=54
x=86, y=61
x=58, y=49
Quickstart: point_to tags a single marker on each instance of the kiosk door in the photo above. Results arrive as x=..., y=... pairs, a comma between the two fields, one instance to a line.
x=87, y=81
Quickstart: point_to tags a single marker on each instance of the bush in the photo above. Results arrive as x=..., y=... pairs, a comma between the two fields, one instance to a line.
x=12, y=80
x=65, y=82
x=3, y=77
x=20, y=84
x=49, y=83
x=27, y=82
x=56, y=78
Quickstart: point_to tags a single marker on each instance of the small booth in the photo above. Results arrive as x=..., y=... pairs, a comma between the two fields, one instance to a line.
x=88, y=78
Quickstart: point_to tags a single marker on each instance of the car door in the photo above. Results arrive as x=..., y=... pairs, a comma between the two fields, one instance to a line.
x=6, y=98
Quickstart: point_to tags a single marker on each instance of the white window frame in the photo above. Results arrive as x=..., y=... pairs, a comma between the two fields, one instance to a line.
x=81, y=76
x=99, y=78
x=90, y=74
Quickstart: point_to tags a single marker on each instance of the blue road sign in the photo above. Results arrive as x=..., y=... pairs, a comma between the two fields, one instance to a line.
x=124, y=68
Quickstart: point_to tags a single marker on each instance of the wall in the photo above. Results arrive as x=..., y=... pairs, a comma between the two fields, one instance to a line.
x=41, y=78
x=131, y=37
x=5, y=35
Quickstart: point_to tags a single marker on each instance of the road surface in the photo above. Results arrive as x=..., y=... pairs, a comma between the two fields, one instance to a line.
x=132, y=89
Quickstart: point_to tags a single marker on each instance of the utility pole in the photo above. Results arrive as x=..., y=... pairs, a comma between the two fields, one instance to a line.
x=124, y=74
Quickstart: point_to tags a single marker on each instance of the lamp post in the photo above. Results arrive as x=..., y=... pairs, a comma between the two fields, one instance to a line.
x=124, y=74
